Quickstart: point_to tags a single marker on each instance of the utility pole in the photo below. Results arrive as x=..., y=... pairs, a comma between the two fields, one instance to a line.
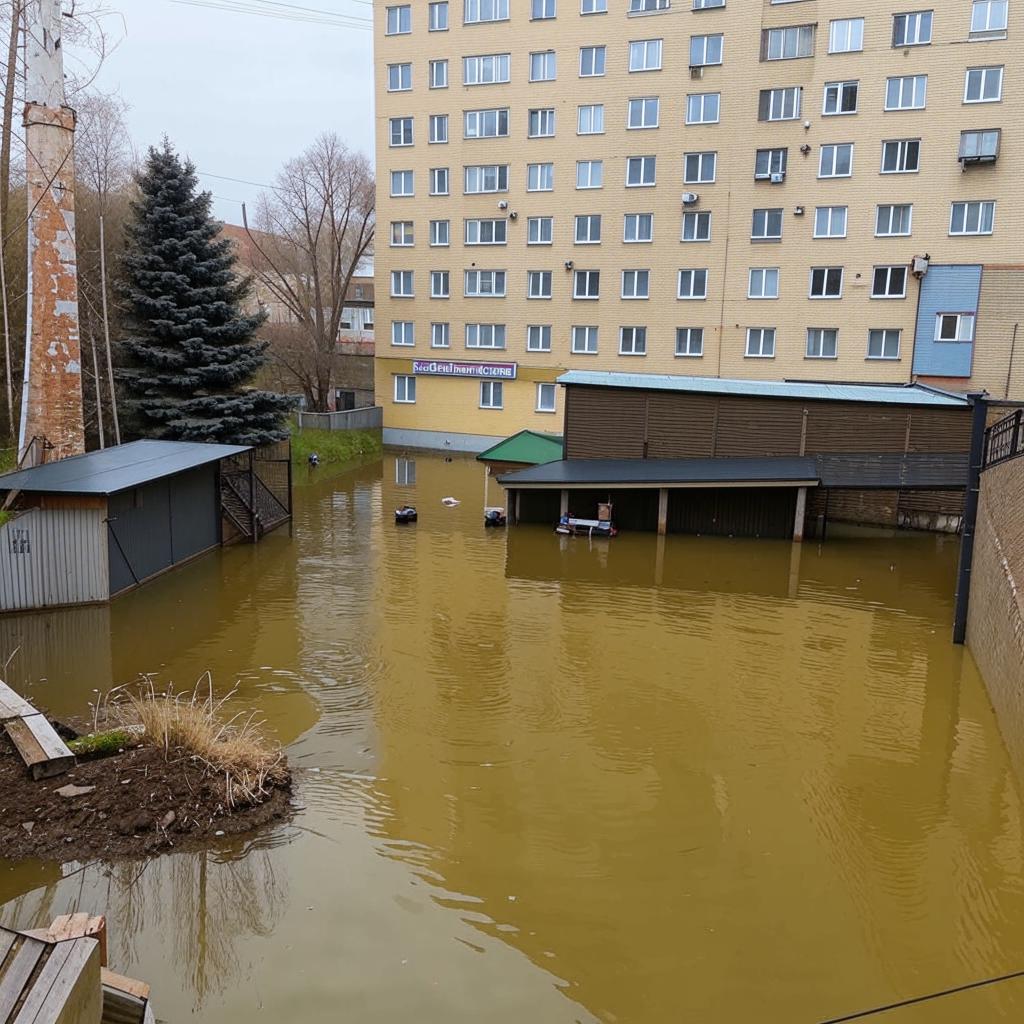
x=51, y=405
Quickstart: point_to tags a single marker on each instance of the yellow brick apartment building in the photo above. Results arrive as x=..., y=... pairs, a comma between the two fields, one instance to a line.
x=795, y=190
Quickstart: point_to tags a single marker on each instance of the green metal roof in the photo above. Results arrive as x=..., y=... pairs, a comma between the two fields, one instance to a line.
x=528, y=446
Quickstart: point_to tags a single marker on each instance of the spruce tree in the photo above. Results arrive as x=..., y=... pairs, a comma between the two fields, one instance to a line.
x=190, y=352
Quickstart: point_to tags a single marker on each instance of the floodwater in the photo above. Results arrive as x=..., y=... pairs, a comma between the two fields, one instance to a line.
x=544, y=780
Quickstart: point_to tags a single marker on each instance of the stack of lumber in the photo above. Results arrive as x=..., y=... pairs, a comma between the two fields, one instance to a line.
x=45, y=754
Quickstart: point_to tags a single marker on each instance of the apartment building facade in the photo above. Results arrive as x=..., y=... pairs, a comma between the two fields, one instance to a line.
x=736, y=188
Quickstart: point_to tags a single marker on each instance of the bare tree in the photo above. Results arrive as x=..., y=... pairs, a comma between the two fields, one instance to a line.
x=315, y=229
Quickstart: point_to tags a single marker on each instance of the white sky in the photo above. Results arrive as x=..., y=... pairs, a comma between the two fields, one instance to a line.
x=238, y=93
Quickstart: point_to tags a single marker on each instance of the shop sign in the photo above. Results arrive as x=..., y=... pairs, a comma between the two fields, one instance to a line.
x=451, y=368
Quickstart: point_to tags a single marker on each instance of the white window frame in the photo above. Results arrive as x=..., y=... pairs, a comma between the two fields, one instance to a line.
x=827, y=217
x=816, y=339
x=587, y=277
x=838, y=91
x=596, y=55
x=989, y=18
x=595, y=118
x=763, y=335
x=490, y=337
x=770, y=161
x=440, y=334
x=885, y=333
x=400, y=129
x=398, y=20
x=589, y=174
x=438, y=74
x=437, y=16
x=492, y=395
x=638, y=221
x=437, y=228
x=545, y=62
x=591, y=334
x=540, y=177
x=888, y=269
x=543, y=10
x=964, y=327
x=440, y=181
x=690, y=350
x=403, y=234
x=406, y=176
x=538, y=337
x=902, y=151
x=846, y=35
x=703, y=103
x=833, y=150
x=645, y=162
x=403, y=71
x=481, y=12
x=783, y=103
x=697, y=280
x=404, y=389
x=588, y=221
x=437, y=129
x=475, y=230
x=545, y=388
x=917, y=29
x=696, y=226
x=636, y=285
x=918, y=89
x=767, y=211
x=984, y=73
x=645, y=106
x=827, y=275
x=540, y=123
x=892, y=208
x=645, y=55
x=473, y=284
x=486, y=69
x=708, y=50
x=476, y=124
x=637, y=343
x=593, y=7
x=968, y=205
x=403, y=333
x=399, y=278
x=768, y=277
x=700, y=159
x=540, y=223
x=787, y=42
x=499, y=172
x=440, y=284
x=538, y=284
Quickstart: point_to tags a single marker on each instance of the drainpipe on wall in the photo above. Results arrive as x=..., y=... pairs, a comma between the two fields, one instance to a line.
x=1009, y=368
x=979, y=412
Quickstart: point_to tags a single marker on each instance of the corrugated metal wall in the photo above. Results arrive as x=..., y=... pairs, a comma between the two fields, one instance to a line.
x=945, y=289
x=53, y=557
x=733, y=511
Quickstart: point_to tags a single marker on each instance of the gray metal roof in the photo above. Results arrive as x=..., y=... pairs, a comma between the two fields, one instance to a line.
x=909, y=394
x=915, y=471
x=118, y=468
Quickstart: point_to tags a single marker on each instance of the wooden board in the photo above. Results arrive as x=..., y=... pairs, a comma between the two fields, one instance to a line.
x=45, y=754
x=75, y=993
x=138, y=989
x=16, y=976
x=13, y=706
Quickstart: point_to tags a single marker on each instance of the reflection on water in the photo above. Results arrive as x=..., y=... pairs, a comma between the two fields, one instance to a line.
x=646, y=780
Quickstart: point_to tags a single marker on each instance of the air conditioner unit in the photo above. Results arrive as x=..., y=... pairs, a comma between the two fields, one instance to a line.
x=778, y=177
x=919, y=266
x=762, y=176
x=689, y=198
x=696, y=70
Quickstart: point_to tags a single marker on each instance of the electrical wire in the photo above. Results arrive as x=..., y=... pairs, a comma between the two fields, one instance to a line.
x=283, y=12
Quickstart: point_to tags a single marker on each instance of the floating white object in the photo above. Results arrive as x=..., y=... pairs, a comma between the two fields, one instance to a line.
x=450, y=502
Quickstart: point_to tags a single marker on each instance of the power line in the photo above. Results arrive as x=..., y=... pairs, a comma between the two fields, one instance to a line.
x=283, y=12
x=239, y=181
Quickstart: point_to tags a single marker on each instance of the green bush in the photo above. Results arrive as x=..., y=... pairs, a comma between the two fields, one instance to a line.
x=334, y=446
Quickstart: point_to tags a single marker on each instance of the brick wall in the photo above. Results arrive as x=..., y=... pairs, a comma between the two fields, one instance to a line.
x=995, y=626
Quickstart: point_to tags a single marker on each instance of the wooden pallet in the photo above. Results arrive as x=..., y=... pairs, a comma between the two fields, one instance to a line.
x=45, y=754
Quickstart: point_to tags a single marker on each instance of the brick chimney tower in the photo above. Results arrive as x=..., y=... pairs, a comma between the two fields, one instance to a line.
x=51, y=404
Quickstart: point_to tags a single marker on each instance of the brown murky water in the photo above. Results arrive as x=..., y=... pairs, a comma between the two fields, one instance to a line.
x=695, y=780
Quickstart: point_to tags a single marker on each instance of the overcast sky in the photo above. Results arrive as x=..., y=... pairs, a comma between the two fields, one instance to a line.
x=238, y=93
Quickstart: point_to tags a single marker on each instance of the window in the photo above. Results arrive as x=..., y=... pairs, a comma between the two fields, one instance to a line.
x=401, y=232
x=491, y=394
x=632, y=341
x=439, y=284
x=640, y=171
x=439, y=74
x=485, y=70
x=779, y=104
x=901, y=156
x=638, y=227
x=401, y=284
x=540, y=177
x=439, y=181
x=983, y=85
x=485, y=124
x=974, y=218
x=836, y=161
x=840, y=98
x=788, y=43
x=586, y=284
x=439, y=234
x=689, y=341
x=826, y=283
x=645, y=55
x=693, y=284
x=846, y=35
x=539, y=230
x=884, y=343
x=646, y=6
x=542, y=9
x=593, y=6
x=770, y=161
x=584, y=340
x=542, y=66
x=588, y=229
x=438, y=128
x=763, y=283
x=486, y=178
x=486, y=232
x=913, y=29
x=485, y=335
x=538, y=284
x=643, y=112
x=485, y=284
x=403, y=333
x=437, y=16
x=590, y=119
x=699, y=168
x=954, y=327
x=906, y=92
x=399, y=20
x=399, y=77
x=591, y=61
x=822, y=342
x=538, y=338
x=540, y=123
x=697, y=227
x=705, y=50
x=760, y=342
x=703, y=5
x=830, y=222
x=988, y=17
x=400, y=131
x=405, y=389
x=893, y=219
x=979, y=147
x=440, y=335
x=546, y=397
x=636, y=284
x=767, y=224
x=703, y=107
x=589, y=173
x=485, y=10
x=889, y=283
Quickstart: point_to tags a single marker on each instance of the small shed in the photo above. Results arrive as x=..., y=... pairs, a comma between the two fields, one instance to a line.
x=92, y=526
x=527, y=448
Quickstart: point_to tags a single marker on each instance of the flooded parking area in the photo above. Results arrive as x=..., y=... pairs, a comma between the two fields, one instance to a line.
x=642, y=780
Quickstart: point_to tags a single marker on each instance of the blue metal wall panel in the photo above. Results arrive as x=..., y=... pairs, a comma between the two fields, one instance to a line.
x=945, y=289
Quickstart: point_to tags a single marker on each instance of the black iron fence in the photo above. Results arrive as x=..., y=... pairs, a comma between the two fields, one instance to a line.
x=1004, y=439
x=256, y=488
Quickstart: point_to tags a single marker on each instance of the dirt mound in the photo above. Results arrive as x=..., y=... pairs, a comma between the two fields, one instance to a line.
x=134, y=804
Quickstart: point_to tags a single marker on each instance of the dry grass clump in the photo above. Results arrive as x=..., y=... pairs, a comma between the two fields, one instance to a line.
x=195, y=724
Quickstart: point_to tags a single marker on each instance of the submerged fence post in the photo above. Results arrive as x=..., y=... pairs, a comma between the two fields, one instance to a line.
x=979, y=412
